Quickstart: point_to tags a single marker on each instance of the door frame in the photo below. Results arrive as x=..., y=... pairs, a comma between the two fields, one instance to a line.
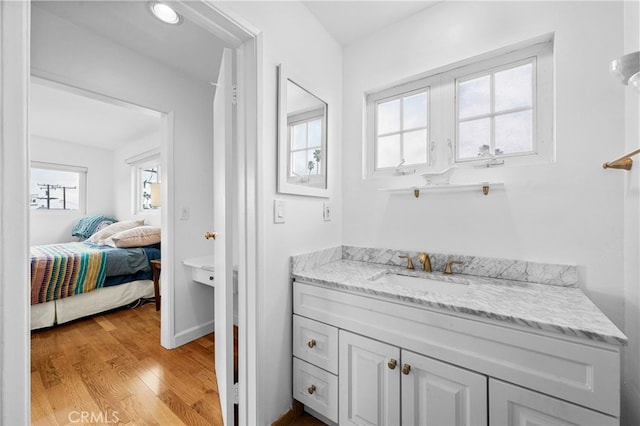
x=15, y=17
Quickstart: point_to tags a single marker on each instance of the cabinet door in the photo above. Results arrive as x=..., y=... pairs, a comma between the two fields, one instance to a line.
x=435, y=393
x=369, y=381
x=511, y=405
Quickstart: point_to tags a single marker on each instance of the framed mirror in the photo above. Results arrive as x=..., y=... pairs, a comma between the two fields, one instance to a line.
x=302, y=140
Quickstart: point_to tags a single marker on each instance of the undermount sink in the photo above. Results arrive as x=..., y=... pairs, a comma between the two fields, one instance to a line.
x=423, y=284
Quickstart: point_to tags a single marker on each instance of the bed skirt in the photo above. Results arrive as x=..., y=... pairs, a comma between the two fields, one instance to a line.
x=85, y=304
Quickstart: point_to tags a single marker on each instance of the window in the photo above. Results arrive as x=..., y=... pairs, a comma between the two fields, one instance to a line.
x=305, y=145
x=57, y=187
x=145, y=180
x=492, y=110
x=400, y=127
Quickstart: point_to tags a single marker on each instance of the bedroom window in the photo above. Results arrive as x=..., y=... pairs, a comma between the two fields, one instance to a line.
x=57, y=187
x=485, y=111
x=145, y=181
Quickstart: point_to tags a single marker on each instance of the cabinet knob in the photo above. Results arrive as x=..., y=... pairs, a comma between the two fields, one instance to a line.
x=311, y=343
x=406, y=369
x=311, y=389
x=392, y=364
x=210, y=235
x=211, y=278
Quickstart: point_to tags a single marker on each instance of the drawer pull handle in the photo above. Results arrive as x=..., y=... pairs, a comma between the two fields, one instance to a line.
x=311, y=343
x=392, y=364
x=311, y=389
x=406, y=369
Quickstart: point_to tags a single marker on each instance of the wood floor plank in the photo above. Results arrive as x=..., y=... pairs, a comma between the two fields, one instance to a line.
x=113, y=364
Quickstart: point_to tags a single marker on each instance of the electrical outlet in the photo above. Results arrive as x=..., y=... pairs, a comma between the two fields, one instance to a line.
x=326, y=211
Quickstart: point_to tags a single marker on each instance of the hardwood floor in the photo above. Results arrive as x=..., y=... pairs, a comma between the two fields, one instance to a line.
x=111, y=369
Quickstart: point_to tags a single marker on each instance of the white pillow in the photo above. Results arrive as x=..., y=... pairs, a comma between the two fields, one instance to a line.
x=136, y=237
x=103, y=235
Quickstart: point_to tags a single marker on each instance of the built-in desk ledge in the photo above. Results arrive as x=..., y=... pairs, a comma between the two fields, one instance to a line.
x=519, y=293
x=482, y=187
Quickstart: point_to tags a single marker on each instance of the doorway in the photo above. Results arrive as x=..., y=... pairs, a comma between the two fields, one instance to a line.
x=16, y=16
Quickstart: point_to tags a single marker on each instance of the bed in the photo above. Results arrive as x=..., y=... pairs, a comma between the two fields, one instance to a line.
x=108, y=270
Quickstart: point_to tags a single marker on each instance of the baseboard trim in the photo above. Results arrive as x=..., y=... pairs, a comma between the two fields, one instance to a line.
x=193, y=333
x=294, y=412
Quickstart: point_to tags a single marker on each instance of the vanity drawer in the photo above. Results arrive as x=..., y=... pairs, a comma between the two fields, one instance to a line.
x=203, y=276
x=316, y=342
x=316, y=388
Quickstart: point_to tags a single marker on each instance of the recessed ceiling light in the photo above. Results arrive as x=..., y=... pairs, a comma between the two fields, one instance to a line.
x=164, y=13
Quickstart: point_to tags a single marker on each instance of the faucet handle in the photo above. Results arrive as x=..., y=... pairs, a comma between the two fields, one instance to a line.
x=409, y=260
x=447, y=266
x=426, y=262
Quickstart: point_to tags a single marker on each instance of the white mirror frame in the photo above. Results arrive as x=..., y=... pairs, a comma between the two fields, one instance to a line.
x=284, y=186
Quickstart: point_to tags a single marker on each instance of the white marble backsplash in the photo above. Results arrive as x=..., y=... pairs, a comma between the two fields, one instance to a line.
x=513, y=270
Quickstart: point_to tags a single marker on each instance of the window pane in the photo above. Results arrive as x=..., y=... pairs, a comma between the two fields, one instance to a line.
x=474, y=97
x=299, y=163
x=315, y=133
x=299, y=139
x=514, y=87
x=415, y=111
x=314, y=157
x=388, y=151
x=389, y=117
x=415, y=147
x=472, y=135
x=514, y=132
x=148, y=175
x=54, y=190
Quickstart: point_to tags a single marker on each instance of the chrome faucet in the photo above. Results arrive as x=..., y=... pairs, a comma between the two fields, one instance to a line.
x=447, y=266
x=426, y=262
x=409, y=260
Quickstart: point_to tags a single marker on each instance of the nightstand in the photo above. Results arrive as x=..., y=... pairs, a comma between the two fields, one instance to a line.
x=156, y=266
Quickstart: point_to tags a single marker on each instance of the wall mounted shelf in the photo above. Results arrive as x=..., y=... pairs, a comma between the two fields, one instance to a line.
x=484, y=187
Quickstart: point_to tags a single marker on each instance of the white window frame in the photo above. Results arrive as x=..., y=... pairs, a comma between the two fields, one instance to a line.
x=397, y=92
x=140, y=162
x=541, y=56
x=82, y=186
x=442, y=107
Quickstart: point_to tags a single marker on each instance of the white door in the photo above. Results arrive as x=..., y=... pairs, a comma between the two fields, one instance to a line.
x=369, y=381
x=511, y=405
x=223, y=125
x=435, y=393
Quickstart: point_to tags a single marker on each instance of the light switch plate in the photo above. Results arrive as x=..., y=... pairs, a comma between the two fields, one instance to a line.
x=327, y=211
x=278, y=211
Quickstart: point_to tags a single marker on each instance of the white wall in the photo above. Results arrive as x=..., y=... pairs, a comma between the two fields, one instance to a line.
x=631, y=371
x=567, y=212
x=48, y=227
x=290, y=36
x=80, y=58
x=122, y=178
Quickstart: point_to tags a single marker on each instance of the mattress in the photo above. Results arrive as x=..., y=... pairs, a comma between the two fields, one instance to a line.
x=85, y=304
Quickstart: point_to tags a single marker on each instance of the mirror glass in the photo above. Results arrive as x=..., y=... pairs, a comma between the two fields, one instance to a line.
x=302, y=142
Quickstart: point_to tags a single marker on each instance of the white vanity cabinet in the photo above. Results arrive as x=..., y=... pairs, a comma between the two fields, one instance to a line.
x=402, y=364
x=381, y=384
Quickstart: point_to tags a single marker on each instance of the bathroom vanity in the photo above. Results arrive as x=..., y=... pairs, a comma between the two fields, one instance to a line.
x=371, y=346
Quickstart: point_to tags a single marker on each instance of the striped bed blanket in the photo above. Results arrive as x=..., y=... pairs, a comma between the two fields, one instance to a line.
x=63, y=270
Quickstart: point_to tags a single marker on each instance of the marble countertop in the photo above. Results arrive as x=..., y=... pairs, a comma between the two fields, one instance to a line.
x=559, y=309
